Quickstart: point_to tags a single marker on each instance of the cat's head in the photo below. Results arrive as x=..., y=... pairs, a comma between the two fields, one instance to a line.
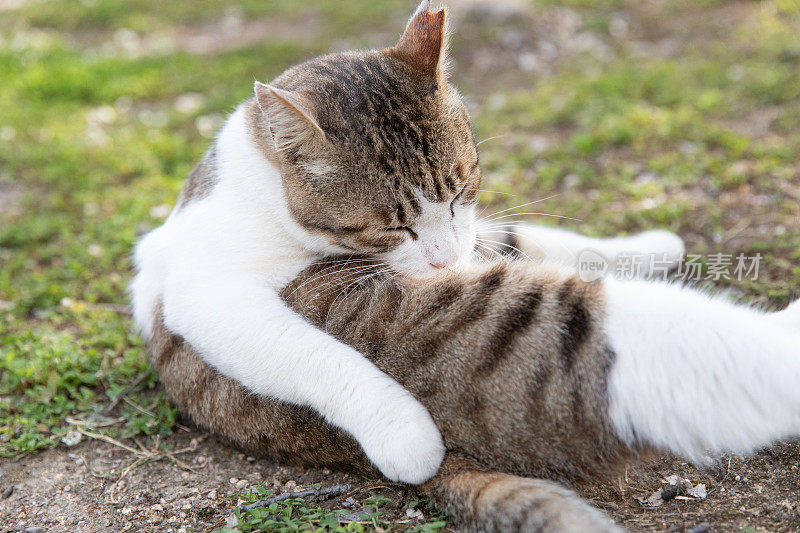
x=376, y=150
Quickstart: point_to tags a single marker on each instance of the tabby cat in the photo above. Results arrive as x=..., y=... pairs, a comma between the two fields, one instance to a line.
x=525, y=369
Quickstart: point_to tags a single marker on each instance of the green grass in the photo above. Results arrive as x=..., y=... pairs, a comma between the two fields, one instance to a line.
x=652, y=142
x=94, y=141
x=297, y=514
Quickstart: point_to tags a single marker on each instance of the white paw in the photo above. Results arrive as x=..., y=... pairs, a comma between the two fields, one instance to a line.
x=659, y=251
x=658, y=242
x=404, y=443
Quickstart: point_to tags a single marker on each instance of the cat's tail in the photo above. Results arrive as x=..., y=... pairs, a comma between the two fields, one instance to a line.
x=495, y=502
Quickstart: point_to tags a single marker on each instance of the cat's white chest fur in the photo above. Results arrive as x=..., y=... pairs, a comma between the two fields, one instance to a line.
x=243, y=223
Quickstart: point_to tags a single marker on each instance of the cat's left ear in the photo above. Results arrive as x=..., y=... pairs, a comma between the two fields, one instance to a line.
x=423, y=43
x=291, y=116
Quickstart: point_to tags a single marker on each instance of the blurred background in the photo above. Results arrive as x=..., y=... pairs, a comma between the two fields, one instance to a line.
x=680, y=114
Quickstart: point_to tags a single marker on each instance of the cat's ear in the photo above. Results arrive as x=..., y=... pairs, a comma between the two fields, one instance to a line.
x=423, y=43
x=290, y=114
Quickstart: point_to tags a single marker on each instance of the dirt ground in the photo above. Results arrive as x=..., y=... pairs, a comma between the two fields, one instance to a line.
x=73, y=489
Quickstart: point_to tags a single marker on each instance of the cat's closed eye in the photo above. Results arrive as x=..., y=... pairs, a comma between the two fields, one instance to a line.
x=408, y=230
x=455, y=200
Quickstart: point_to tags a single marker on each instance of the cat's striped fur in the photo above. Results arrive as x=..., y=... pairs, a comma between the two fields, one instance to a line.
x=510, y=359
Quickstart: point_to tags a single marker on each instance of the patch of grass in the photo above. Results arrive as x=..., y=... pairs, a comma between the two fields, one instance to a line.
x=148, y=15
x=657, y=141
x=298, y=514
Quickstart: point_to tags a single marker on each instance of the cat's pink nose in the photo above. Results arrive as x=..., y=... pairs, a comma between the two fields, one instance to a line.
x=438, y=265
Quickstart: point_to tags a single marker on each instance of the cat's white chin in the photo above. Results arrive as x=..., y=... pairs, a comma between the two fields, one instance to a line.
x=420, y=271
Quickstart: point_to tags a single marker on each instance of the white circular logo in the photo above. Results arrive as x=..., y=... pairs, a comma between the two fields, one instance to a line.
x=591, y=266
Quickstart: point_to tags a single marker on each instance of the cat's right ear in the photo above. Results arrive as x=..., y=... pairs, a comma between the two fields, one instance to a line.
x=290, y=115
x=424, y=41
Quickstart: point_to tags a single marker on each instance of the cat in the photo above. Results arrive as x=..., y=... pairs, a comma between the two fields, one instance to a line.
x=359, y=152
x=528, y=372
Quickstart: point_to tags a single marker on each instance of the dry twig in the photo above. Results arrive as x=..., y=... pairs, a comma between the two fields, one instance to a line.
x=326, y=493
x=110, y=407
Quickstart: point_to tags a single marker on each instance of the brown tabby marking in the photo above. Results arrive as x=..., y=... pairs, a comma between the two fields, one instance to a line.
x=486, y=352
x=201, y=180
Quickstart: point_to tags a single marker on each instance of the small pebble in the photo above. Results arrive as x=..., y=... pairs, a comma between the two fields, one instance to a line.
x=212, y=495
x=669, y=492
x=8, y=491
x=35, y=529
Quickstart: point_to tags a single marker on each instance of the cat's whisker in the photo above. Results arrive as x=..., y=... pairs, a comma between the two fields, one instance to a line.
x=350, y=259
x=340, y=276
x=330, y=270
x=490, y=139
x=476, y=254
x=356, y=284
x=333, y=285
x=532, y=213
x=504, y=227
x=489, y=191
x=350, y=276
x=517, y=207
x=492, y=250
x=510, y=246
x=390, y=278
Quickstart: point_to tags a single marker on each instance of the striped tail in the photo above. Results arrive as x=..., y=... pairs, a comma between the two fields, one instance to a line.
x=483, y=501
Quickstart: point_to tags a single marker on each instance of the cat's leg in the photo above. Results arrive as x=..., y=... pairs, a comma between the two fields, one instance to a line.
x=496, y=502
x=258, y=424
x=567, y=248
x=696, y=374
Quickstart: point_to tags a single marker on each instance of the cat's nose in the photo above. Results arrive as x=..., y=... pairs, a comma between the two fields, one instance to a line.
x=440, y=257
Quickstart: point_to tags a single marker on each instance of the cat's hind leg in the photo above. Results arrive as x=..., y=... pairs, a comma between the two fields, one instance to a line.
x=697, y=375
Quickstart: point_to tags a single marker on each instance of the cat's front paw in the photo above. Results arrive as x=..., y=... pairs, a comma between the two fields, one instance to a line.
x=659, y=242
x=655, y=251
x=405, y=444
